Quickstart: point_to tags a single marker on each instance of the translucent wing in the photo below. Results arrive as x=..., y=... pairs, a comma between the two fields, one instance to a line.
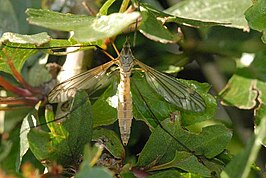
x=86, y=80
x=173, y=90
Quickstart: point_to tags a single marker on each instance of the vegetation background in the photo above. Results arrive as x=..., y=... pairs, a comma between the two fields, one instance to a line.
x=221, y=43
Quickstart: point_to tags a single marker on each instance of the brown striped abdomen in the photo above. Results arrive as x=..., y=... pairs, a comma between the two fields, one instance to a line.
x=124, y=109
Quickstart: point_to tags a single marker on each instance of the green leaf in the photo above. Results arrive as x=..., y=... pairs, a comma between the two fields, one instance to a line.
x=40, y=41
x=13, y=119
x=239, y=90
x=105, y=7
x=91, y=155
x=187, y=162
x=37, y=39
x=65, y=143
x=10, y=152
x=147, y=103
x=167, y=173
x=150, y=107
x=161, y=34
x=256, y=16
x=16, y=55
x=24, y=143
x=85, y=28
x=246, y=88
x=18, y=48
x=128, y=174
x=190, y=118
x=5, y=149
x=37, y=73
x=57, y=131
x=170, y=141
x=87, y=171
x=176, y=19
x=111, y=142
x=241, y=164
x=226, y=11
x=190, y=175
x=106, y=114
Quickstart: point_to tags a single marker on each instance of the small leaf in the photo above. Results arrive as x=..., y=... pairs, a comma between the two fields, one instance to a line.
x=37, y=39
x=24, y=143
x=16, y=55
x=226, y=11
x=161, y=34
x=111, y=142
x=56, y=130
x=106, y=114
x=85, y=28
x=105, y=7
x=41, y=41
x=90, y=156
x=187, y=162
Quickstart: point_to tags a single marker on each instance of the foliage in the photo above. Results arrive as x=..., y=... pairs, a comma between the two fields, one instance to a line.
x=80, y=137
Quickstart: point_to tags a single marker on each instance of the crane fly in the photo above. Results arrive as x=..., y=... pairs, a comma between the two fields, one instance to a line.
x=170, y=88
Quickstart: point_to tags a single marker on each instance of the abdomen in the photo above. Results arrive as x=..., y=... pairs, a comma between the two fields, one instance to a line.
x=124, y=109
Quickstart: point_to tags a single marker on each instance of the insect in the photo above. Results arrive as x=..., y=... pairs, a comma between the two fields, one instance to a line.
x=171, y=89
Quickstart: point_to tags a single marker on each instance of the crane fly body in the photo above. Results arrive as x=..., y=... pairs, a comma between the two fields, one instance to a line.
x=170, y=88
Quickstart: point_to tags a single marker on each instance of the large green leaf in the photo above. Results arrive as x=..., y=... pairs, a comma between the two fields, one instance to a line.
x=173, y=146
x=227, y=11
x=256, y=16
x=64, y=143
x=164, y=17
x=155, y=19
x=85, y=28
